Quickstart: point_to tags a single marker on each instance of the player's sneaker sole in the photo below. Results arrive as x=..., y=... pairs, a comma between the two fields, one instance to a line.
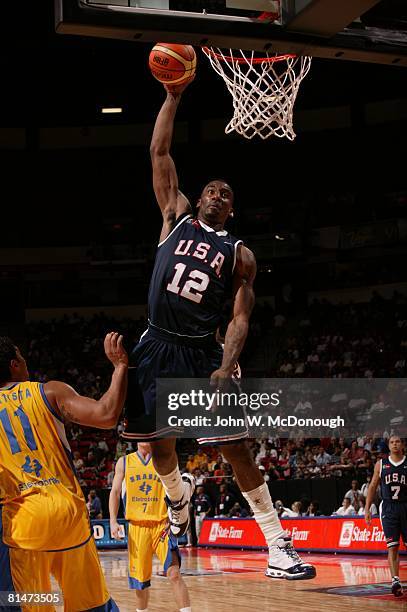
x=397, y=589
x=298, y=572
x=178, y=512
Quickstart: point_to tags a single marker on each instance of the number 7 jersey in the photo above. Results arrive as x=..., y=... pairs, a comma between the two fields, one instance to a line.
x=142, y=490
x=192, y=278
x=393, y=480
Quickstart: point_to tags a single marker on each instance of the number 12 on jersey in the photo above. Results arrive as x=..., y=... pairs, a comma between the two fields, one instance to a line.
x=193, y=287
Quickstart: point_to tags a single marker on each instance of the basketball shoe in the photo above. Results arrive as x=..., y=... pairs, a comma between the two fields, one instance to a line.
x=285, y=562
x=396, y=587
x=178, y=511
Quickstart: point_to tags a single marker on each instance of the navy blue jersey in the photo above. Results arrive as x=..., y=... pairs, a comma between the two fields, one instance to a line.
x=192, y=278
x=393, y=480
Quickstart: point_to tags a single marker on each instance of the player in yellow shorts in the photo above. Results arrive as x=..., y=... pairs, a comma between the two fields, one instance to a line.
x=44, y=520
x=144, y=502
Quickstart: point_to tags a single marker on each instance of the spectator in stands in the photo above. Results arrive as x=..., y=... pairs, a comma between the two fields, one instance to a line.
x=356, y=452
x=191, y=464
x=102, y=444
x=237, y=511
x=361, y=506
x=219, y=472
x=263, y=471
x=202, y=507
x=322, y=458
x=224, y=501
x=354, y=493
x=77, y=461
x=200, y=457
x=346, y=509
x=313, y=509
x=121, y=449
x=365, y=486
x=110, y=476
x=94, y=505
x=91, y=460
x=295, y=510
x=279, y=506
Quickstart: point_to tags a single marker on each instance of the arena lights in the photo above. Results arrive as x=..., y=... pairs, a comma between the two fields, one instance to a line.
x=111, y=110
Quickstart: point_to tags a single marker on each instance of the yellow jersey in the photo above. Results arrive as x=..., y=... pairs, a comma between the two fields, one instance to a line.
x=142, y=491
x=42, y=504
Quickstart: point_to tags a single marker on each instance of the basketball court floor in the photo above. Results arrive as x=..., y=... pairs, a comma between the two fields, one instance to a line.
x=234, y=581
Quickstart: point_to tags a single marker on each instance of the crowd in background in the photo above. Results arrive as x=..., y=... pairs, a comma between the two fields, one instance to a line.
x=324, y=340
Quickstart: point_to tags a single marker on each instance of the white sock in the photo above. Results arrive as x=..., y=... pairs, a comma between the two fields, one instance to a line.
x=144, y=610
x=265, y=514
x=185, y=610
x=173, y=484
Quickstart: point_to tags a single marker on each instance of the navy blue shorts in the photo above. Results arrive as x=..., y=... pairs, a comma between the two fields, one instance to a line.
x=393, y=515
x=162, y=355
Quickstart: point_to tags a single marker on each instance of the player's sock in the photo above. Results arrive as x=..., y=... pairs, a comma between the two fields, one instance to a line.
x=265, y=514
x=173, y=485
x=144, y=610
x=185, y=610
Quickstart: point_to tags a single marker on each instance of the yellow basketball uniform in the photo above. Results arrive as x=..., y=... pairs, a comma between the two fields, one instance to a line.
x=44, y=518
x=145, y=509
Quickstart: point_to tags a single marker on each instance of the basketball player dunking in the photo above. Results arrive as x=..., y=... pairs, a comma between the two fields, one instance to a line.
x=391, y=473
x=197, y=267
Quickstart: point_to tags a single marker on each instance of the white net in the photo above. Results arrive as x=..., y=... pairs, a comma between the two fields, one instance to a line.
x=263, y=90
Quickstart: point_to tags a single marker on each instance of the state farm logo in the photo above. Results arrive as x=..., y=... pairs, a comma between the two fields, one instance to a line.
x=227, y=533
x=345, y=539
x=214, y=532
x=298, y=535
x=353, y=533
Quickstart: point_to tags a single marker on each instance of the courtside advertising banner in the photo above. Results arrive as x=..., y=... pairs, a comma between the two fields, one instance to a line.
x=318, y=534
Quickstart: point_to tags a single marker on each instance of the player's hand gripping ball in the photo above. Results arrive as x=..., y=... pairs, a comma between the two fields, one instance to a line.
x=173, y=65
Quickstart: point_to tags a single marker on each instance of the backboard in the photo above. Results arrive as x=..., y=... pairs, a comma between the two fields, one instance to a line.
x=362, y=30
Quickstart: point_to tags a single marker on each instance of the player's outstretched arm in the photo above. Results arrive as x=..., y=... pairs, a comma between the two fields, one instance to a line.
x=114, y=498
x=371, y=492
x=103, y=413
x=238, y=328
x=165, y=179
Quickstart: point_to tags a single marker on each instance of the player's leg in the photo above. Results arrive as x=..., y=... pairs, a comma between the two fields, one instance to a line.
x=394, y=563
x=284, y=562
x=391, y=523
x=142, y=597
x=178, y=586
x=178, y=489
x=140, y=551
x=30, y=573
x=80, y=576
x=166, y=549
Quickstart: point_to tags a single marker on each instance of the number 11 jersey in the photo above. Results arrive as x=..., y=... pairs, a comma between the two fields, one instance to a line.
x=192, y=279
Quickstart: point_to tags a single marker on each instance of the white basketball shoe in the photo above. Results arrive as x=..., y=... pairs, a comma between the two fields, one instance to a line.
x=285, y=562
x=178, y=511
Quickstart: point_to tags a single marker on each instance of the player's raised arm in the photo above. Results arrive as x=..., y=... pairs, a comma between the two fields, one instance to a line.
x=114, y=498
x=103, y=413
x=371, y=492
x=165, y=179
x=237, y=330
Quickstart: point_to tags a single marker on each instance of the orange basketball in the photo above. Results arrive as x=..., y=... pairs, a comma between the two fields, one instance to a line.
x=172, y=64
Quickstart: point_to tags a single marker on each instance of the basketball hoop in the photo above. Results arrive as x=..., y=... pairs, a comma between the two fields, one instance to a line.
x=264, y=90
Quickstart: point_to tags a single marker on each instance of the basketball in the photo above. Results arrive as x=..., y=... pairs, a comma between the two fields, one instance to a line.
x=172, y=64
